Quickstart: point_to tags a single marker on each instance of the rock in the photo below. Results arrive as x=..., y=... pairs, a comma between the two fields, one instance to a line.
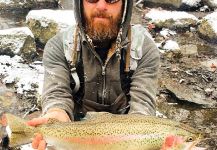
x=66, y=4
x=45, y=3
x=46, y=23
x=211, y=3
x=171, y=19
x=208, y=28
x=210, y=65
x=27, y=4
x=209, y=91
x=16, y=4
x=205, y=8
x=186, y=94
x=17, y=41
x=190, y=4
x=177, y=4
x=8, y=99
x=28, y=78
x=189, y=50
x=167, y=3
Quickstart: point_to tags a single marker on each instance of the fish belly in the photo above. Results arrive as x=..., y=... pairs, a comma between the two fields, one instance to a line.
x=148, y=144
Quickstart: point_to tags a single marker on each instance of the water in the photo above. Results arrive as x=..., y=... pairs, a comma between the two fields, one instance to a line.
x=11, y=19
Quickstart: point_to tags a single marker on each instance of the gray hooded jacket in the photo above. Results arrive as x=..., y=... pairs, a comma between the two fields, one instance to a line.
x=100, y=87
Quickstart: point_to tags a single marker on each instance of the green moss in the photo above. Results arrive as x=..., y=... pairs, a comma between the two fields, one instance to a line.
x=206, y=31
x=42, y=33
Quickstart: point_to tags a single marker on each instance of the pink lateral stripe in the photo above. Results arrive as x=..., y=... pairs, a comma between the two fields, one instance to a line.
x=109, y=139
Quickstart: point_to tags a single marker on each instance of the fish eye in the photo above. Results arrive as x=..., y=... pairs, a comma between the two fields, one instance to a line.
x=190, y=139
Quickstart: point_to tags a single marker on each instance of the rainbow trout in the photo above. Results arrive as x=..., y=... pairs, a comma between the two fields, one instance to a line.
x=104, y=132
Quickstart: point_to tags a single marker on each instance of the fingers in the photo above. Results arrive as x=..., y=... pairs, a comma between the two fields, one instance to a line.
x=38, y=142
x=3, y=121
x=37, y=121
x=42, y=145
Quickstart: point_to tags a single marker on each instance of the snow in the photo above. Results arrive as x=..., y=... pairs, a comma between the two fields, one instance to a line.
x=163, y=15
x=17, y=44
x=171, y=45
x=17, y=31
x=160, y=115
x=26, y=147
x=166, y=32
x=15, y=38
x=191, y=2
x=212, y=19
x=6, y=1
x=24, y=76
x=63, y=18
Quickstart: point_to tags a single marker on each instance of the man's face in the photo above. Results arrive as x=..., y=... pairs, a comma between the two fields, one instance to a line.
x=102, y=19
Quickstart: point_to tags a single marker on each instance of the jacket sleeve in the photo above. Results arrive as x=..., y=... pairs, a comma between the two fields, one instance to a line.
x=144, y=80
x=56, y=88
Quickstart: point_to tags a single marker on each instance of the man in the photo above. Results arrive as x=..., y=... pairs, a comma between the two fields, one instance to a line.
x=103, y=64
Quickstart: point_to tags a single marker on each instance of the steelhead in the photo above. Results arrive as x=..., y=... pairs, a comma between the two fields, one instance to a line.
x=103, y=132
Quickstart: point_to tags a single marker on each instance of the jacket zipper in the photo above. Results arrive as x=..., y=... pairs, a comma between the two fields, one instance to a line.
x=104, y=83
x=103, y=73
x=103, y=65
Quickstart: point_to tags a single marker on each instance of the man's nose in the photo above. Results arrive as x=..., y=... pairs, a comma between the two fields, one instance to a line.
x=101, y=5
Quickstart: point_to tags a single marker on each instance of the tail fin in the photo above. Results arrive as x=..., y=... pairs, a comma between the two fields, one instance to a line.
x=18, y=131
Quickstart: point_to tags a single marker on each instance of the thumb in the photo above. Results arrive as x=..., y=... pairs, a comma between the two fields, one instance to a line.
x=37, y=121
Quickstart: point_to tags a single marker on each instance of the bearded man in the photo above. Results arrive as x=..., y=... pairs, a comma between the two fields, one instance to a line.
x=101, y=64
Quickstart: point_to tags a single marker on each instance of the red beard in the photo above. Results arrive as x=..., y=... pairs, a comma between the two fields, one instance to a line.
x=102, y=30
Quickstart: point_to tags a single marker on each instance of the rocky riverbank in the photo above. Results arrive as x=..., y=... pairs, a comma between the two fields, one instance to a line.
x=185, y=32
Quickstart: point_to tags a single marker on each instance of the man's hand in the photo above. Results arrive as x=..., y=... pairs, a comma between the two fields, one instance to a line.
x=56, y=113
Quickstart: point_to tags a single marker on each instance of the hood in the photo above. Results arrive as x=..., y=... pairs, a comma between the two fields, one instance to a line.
x=126, y=17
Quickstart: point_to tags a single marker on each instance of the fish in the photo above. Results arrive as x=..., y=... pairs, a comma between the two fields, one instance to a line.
x=104, y=131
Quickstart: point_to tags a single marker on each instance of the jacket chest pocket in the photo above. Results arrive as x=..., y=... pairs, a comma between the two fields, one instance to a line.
x=91, y=91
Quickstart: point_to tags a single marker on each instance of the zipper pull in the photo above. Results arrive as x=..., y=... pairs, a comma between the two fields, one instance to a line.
x=103, y=70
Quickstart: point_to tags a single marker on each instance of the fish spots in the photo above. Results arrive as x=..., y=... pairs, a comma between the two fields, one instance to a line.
x=109, y=139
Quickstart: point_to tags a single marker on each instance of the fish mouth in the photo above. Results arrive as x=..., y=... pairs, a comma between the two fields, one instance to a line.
x=4, y=141
x=4, y=136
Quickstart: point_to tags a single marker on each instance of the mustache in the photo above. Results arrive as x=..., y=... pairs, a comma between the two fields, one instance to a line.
x=101, y=14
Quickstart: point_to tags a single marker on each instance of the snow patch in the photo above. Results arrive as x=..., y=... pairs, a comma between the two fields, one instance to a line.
x=63, y=18
x=27, y=77
x=171, y=45
x=212, y=19
x=163, y=15
x=26, y=147
x=17, y=31
x=6, y=1
x=191, y=2
x=166, y=32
